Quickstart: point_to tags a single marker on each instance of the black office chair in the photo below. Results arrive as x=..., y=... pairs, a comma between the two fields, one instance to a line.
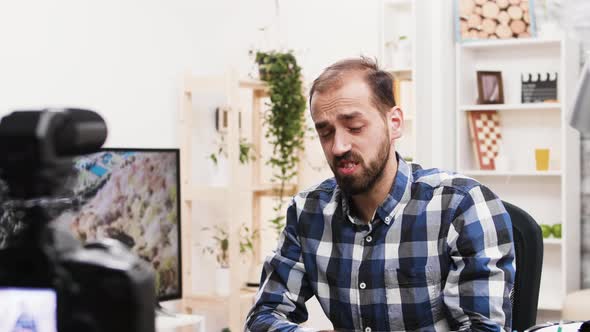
x=528, y=246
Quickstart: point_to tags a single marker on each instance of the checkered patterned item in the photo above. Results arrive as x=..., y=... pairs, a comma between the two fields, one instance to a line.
x=484, y=127
x=438, y=256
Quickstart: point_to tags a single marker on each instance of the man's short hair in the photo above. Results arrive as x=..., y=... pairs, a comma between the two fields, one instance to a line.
x=379, y=81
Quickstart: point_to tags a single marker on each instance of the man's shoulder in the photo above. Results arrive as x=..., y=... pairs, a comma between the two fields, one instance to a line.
x=436, y=178
x=317, y=201
x=321, y=191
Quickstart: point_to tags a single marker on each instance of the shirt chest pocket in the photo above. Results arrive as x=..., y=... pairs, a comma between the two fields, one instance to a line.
x=413, y=297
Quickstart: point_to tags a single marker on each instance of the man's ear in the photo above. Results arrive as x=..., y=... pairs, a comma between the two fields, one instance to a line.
x=395, y=121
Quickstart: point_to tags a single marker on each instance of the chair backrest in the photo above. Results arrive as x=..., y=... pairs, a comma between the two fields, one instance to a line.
x=528, y=246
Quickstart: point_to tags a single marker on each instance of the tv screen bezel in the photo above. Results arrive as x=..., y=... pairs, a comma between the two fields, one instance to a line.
x=176, y=151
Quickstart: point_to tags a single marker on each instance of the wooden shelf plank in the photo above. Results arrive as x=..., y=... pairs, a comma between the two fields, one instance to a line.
x=511, y=107
x=510, y=173
x=272, y=190
x=258, y=86
x=552, y=241
x=214, y=298
x=401, y=73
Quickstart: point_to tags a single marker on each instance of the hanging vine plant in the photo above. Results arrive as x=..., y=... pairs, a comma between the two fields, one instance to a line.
x=285, y=121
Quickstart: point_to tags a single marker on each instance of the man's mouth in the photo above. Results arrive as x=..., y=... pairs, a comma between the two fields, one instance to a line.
x=347, y=167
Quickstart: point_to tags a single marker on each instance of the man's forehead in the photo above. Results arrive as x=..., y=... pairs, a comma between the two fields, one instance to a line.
x=349, y=95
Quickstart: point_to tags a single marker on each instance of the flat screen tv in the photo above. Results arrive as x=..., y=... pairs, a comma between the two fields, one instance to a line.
x=132, y=195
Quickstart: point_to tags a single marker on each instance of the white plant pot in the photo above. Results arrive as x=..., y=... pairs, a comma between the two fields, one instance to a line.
x=222, y=286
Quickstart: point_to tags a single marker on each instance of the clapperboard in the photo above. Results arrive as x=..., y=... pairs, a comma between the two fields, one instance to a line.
x=538, y=87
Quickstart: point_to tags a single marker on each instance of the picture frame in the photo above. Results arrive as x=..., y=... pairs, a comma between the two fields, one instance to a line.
x=489, y=87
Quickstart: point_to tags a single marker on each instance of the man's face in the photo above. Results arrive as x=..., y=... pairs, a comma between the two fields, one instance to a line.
x=355, y=136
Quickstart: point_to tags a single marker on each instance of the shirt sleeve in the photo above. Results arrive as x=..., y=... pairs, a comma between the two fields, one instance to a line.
x=280, y=301
x=479, y=283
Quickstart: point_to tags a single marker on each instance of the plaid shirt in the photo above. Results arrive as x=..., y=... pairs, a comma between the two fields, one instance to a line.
x=437, y=256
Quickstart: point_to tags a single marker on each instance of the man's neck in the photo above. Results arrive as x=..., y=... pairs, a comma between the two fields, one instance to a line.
x=367, y=203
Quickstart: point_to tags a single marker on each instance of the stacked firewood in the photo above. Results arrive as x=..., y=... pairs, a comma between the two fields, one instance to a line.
x=494, y=19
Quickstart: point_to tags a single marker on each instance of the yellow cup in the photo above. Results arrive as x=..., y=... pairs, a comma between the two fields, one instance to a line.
x=542, y=159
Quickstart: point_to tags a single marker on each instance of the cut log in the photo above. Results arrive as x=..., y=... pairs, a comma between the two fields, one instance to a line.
x=503, y=17
x=518, y=26
x=463, y=26
x=466, y=7
x=474, y=21
x=524, y=35
x=503, y=4
x=473, y=34
x=490, y=10
x=503, y=31
x=515, y=12
x=488, y=25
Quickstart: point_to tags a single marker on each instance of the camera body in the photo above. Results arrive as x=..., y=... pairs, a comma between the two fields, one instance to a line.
x=51, y=279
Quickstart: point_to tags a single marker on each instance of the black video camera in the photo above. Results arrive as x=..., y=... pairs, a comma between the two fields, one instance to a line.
x=49, y=281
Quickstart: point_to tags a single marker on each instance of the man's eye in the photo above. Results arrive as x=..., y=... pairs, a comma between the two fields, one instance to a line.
x=356, y=129
x=325, y=133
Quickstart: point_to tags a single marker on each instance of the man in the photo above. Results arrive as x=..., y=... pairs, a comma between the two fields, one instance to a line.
x=385, y=245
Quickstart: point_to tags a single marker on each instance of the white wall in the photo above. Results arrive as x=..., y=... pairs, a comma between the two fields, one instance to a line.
x=124, y=59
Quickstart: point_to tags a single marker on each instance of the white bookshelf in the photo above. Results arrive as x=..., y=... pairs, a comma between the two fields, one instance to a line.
x=510, y=43
x=548, y=196
x=397, y=18
x=508, y=173
x=511, y=107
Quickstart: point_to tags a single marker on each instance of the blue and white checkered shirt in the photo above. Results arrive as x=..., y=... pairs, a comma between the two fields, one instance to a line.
x=437, y=256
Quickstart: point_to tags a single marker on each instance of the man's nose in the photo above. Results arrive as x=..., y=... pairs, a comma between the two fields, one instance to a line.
x=341, y=144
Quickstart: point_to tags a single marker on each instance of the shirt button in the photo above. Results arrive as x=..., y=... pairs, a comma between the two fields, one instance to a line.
x=387, y=218
x=363, y=285
x=367, y=329
x=369, y=238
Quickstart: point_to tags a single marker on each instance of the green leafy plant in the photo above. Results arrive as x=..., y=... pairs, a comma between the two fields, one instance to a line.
x=247, y=152
x=220, y=245
x=285, y=121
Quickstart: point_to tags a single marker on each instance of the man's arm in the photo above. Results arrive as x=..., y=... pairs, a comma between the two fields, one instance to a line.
x=280, y=301
x=478, y=286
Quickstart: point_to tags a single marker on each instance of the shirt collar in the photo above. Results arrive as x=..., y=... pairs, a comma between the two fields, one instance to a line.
x=398, y=196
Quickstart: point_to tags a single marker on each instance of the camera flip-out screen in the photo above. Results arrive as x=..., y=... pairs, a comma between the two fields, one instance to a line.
x=28, y=309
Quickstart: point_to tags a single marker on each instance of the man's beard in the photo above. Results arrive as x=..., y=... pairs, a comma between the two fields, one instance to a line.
x=370, y=174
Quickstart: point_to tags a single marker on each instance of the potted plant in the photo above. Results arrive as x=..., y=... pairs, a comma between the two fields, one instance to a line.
x=220, y=249
x=285, y=121
x=246, y=152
